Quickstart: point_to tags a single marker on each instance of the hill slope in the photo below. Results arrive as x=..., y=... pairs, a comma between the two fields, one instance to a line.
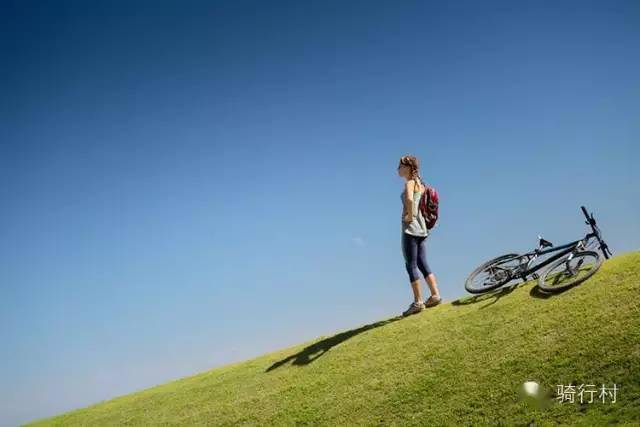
x=459, y=363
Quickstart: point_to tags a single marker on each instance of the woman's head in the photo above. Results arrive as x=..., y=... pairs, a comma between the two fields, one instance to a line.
x=409, y=167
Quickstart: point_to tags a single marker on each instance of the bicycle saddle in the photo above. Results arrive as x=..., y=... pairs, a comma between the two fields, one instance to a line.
x=544, y=243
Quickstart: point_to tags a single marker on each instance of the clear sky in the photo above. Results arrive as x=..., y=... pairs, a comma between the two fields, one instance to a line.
x=188, y=184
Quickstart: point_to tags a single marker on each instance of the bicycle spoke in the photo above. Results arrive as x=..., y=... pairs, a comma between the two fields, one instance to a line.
x=495, y=274
x=570, y=271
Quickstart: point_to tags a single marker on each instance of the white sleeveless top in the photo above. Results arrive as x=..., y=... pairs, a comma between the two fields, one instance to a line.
x=418, y=225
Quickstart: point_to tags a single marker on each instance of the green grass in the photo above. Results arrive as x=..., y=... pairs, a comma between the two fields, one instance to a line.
x=460, y=363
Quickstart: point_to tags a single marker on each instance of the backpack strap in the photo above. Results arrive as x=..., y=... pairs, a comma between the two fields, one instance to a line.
x=424, y=184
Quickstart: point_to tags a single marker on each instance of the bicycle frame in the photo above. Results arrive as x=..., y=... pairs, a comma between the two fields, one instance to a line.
x=564, y=250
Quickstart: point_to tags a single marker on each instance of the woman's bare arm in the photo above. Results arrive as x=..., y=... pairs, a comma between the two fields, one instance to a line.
x=407, y=213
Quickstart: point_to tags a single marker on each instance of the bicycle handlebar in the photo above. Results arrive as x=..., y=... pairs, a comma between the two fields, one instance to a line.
x=584, y=211
x=590, y=219
x=592, y=222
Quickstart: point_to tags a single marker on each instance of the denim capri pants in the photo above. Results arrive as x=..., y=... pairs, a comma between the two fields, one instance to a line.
x=414, y=250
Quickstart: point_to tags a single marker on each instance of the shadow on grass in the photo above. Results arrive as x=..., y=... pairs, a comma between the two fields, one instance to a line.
x=317, y=349
x=494, y=296
x=536, y=292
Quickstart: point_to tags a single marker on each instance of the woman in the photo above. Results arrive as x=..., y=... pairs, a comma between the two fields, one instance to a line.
x=414, y=235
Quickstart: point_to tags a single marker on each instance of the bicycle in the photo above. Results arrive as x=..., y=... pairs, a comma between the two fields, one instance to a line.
x=574, y=263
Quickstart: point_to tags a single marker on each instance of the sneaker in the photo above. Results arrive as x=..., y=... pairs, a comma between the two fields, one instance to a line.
x=432, y=301
x=415, y=307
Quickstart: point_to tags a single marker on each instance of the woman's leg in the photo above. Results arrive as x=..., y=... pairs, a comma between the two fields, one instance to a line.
x=410, y=252
x=433, y=285
x=424, y=268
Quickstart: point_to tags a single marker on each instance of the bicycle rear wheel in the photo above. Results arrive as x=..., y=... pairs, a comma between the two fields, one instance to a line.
x=492, y=274
x=564, y=273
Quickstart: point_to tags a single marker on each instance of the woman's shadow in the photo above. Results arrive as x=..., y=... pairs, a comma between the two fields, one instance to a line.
x=317, y=349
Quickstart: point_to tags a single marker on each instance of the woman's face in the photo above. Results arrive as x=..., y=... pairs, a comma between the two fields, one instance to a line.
x=402, y=170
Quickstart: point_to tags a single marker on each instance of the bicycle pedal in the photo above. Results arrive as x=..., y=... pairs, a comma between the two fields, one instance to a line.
x=535, y=276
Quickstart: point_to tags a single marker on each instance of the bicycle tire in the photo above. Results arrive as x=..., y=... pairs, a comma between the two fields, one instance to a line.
x=474, y=273
x=546, y=286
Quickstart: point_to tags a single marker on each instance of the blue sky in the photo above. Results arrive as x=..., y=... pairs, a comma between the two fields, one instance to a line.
x=188, y=184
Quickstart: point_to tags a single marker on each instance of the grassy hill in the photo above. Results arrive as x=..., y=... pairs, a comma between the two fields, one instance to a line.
x=460, y=363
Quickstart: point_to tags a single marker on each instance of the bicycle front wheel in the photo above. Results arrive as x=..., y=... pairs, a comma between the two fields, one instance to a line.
x=565, y=272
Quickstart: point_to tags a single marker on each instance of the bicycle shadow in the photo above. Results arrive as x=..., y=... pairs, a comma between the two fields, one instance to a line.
x=317, y=349
x=536, y=292
x=494, y=295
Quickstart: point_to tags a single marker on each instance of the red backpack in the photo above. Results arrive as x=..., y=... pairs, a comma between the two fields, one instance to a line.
x=428, y=206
